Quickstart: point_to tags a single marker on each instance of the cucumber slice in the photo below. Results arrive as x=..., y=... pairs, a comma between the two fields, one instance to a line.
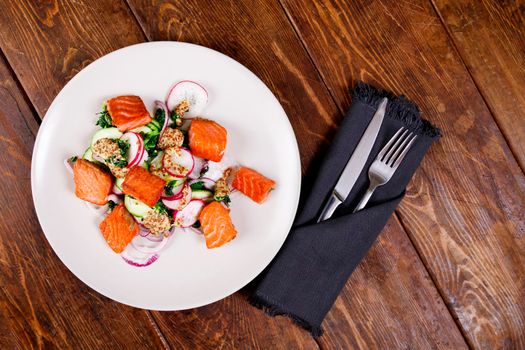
x=201, y=194
x=88, y=155
x=108, y=133
x=136, y=207
x=154, y=126
x=143, y=129
x=119, y=182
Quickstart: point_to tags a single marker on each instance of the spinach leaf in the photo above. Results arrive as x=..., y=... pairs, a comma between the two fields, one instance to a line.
x=104, y=119
x=124, y=146
x=159, y=116
x=225, y=199
x=169, y=187
x=150, y=143
x=121, y=163
x=197, y=224
x=199, y=185
x=111, y=205
x=161, y=208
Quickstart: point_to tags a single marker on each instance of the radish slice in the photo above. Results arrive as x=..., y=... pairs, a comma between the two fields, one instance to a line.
x=195, y=94
x=136, y=148
x=208, y=183
x=189, y=215
x=180, y=203
x=178, y=164
x=200, y=163
x=177, y=192
x=162, y=105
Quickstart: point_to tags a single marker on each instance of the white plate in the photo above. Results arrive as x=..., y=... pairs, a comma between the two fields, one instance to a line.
x=187, y=274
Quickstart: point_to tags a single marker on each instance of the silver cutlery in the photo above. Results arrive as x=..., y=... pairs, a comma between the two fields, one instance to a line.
x=355, y=164
x=387, y=162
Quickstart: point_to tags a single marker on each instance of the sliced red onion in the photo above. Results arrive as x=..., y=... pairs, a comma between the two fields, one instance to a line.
x=141, y=261
x=155, y=238
x=148, y=246
x=162, y=105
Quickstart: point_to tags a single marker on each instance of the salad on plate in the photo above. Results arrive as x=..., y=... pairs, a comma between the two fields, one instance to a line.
x=152, y=176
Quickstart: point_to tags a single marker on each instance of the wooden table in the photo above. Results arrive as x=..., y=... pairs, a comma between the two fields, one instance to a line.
x=447, y=272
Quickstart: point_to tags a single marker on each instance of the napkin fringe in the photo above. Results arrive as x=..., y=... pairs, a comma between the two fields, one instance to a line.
x=272, y=310
x=398, y=107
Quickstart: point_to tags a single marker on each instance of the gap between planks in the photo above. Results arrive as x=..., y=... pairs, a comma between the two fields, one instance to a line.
x=489, y=108
x=330, y=92
x=38, y=120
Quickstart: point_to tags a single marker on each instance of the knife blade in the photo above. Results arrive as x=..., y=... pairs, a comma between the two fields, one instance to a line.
x=355, y=164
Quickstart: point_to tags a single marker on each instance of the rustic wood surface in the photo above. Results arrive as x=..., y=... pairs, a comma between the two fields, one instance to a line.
x=447, y=272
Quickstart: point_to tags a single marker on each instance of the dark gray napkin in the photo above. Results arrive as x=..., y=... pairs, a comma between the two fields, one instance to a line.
x=316, y=260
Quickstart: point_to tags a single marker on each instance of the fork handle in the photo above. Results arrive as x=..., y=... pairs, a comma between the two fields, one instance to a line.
x=366, y=197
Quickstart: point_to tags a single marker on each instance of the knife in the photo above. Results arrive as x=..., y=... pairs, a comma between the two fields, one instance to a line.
x=355, y=164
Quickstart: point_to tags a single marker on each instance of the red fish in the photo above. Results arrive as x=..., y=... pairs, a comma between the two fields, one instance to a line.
x=119, y=228
x=128, y=112
x=92, y=184
x=253, y=184
x=216, y=225
x=207, y=139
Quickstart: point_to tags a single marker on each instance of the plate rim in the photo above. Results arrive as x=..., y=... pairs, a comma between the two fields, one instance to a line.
x=85, y=70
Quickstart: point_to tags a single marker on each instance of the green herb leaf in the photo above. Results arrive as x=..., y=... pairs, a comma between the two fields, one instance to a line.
x=150, y=143
x=124, y=146
x=161, y=208
x=121, y=163
x=225, y=199
x=73, y=159
x=199, y=185
x=169, y=187
x=104, y=119
x=174, y=117
x=186, y=142
x=111, y=205
x=197, y=224
x=159, y=116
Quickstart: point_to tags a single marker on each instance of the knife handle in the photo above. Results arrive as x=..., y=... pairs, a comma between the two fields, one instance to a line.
x=331, y=205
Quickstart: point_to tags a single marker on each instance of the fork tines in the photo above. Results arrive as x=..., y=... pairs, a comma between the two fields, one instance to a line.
x=396, y=149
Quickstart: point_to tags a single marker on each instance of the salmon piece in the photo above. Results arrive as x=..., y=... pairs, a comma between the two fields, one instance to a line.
x=207, y=139
x=253, y=184
x=216, y=225
x=128, y=112
x=119, y=228
x=92, y=183
x=143, y=185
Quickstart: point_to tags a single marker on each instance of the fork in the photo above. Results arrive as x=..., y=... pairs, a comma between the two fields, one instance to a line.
x=387, y=162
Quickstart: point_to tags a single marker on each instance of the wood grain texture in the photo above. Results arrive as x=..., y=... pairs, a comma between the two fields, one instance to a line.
x=490, y=37
x=379, y=300
x=464, y=208
x=42, y=305
x=48, y=42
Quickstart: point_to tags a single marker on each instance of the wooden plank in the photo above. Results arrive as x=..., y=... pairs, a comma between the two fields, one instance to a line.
x=490, y=37
x=464, y=208
x=48, y=42
x=74, y=34
x=42, y=305
x=262, y=39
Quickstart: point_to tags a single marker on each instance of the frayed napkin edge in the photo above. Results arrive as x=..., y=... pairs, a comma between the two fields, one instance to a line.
x=272, y=309
x=398, y=107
